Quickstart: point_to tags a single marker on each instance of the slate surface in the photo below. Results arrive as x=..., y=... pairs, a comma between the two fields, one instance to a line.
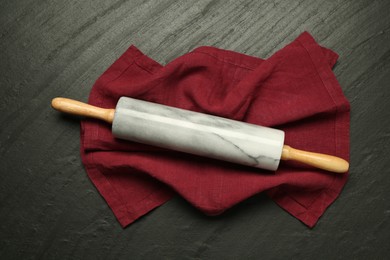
x=50, y=210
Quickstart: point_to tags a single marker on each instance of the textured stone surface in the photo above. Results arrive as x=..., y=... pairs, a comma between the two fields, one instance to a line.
x=48, y=207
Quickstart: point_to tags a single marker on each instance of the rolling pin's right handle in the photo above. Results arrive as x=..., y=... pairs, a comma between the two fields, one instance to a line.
x=74, y=107
x=318, y=160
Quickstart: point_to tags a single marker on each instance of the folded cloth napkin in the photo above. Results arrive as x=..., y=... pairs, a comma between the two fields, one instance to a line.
x=294, y=90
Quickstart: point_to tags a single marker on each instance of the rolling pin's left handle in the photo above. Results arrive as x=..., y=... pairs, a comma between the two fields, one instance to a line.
x=74, y=107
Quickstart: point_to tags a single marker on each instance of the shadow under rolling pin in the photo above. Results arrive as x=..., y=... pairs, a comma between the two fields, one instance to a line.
x=200, y=134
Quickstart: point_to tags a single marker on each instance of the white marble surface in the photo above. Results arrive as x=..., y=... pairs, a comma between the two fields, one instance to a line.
x=196, y=133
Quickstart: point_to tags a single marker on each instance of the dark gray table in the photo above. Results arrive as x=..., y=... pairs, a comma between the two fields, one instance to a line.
x=49, y=208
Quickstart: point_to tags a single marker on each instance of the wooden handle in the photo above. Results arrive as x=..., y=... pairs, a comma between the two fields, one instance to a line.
x=74, y=107
x=318, y=160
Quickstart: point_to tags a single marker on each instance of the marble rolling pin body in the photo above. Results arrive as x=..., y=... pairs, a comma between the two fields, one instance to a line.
x=199, y=134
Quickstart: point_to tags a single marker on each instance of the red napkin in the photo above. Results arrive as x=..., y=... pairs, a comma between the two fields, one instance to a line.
x=294, y=90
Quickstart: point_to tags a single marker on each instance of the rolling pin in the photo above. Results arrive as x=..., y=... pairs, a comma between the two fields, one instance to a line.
x=200, y=134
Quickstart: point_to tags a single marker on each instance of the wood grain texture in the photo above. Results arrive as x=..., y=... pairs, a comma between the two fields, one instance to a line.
x=50, y=210
x=321, y=161
x=74, y=107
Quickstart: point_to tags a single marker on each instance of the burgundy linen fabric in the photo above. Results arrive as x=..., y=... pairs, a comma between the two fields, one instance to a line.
x=294, y=90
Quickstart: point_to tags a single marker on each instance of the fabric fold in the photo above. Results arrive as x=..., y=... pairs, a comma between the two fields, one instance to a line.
x=294, y=90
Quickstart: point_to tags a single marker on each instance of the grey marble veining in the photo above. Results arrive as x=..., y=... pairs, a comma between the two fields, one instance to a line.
x=197, y=133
